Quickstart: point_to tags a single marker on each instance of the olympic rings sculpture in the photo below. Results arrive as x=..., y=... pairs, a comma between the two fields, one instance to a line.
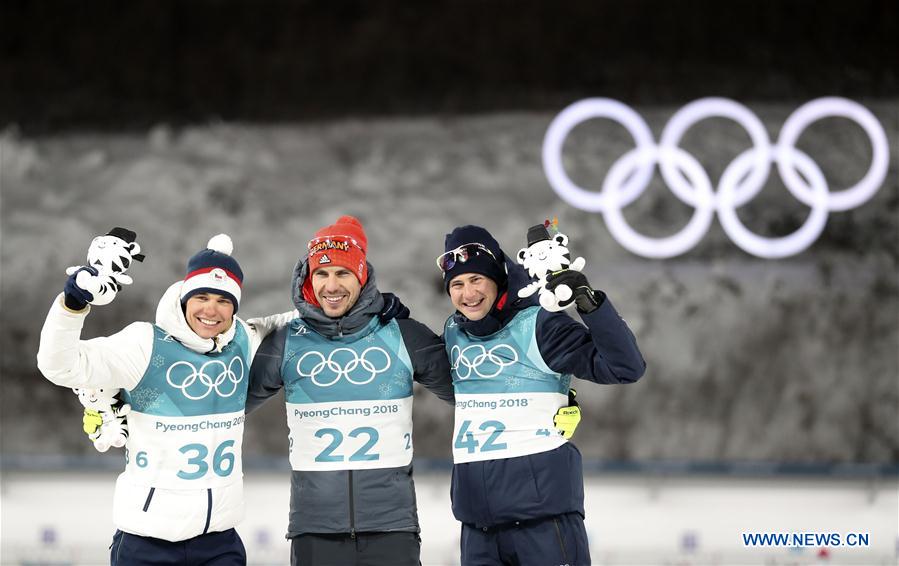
x=458, y=358
x=343, y=371
x=204, y=377
x=741, y=181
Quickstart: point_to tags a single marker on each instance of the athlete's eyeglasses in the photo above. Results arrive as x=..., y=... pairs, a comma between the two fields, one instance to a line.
x=463, y=253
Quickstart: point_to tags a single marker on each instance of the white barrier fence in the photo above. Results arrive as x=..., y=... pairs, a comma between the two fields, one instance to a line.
x=65, y=519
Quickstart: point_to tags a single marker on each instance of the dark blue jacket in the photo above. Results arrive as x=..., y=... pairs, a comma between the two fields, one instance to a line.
x=495, y=492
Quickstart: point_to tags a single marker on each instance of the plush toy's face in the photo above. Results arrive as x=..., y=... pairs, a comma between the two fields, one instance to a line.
x=97, y=399
x=111, y=254
x=545, y=256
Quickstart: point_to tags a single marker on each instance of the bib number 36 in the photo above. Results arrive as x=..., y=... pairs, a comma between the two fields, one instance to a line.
x=222, y=460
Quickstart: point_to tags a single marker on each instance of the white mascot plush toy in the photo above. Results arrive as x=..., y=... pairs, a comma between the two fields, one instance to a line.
x=547, y=254
x=104, y=417
x=111, y=255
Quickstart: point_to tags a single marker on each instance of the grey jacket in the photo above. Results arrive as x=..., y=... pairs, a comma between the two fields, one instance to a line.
x=351, y=501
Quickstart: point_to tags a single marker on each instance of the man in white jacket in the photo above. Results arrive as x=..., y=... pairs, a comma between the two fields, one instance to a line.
x=186, y=377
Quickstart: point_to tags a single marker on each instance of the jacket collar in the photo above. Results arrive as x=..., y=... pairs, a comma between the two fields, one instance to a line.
x=368, y=305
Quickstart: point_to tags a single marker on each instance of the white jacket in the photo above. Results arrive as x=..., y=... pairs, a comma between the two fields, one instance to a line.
x=120, y=361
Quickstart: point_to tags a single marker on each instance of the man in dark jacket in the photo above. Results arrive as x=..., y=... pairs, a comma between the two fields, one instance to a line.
x=347, y=375
x=517, y=484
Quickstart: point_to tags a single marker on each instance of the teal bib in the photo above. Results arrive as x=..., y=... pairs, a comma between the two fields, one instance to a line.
x=181, y=382
x=371, y=364
x=187, y=415
x=506, y=395
x=507, y=361
x=349, y=399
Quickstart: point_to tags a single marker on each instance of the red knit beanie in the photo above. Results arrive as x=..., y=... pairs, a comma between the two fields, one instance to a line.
x=342, y=243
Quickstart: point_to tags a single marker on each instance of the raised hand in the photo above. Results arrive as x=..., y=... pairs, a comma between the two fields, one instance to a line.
x=584, y=297
x=108, y=258
x=85, y=285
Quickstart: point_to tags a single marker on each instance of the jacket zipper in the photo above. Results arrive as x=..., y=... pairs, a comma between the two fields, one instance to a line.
x=149, y=498
x=352, y=506
x=208, y=510
x=561, y=544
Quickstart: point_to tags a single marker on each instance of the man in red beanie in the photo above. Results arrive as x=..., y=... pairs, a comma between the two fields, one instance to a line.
x=338, y=267
x=347, y=367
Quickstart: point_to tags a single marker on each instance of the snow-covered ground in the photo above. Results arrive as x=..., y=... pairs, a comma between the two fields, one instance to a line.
x=50, y=518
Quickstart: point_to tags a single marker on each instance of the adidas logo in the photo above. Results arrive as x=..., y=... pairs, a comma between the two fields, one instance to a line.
x=324, y=259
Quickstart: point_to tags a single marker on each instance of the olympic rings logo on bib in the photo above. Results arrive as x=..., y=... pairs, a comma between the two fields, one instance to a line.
x=213, y=375
x=741, y=181
x=369, y=367
x=461, y=358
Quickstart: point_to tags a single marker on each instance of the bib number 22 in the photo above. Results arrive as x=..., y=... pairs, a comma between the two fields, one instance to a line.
x=360, y=455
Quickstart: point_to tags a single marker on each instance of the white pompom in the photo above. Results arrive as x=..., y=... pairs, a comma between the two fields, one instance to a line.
x=221, y=243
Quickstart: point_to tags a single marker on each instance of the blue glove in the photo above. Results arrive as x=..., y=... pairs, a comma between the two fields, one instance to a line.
x=393, y=308
x=77, y=298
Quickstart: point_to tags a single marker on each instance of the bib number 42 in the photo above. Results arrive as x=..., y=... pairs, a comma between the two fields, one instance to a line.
x=465, y=439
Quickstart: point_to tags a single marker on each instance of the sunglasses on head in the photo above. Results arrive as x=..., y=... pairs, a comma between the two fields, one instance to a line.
x=463, y=253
